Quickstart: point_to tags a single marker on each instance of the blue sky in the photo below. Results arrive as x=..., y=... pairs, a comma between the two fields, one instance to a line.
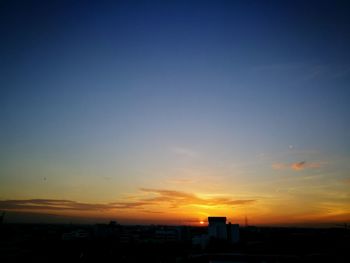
x=114, y=96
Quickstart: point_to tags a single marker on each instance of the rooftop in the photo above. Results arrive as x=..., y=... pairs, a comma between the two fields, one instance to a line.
x=217, y=219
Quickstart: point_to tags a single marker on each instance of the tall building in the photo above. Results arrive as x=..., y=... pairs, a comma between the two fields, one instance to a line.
x=233, y=233
x=217, y=227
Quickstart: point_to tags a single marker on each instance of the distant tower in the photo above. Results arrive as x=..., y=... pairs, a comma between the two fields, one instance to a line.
x=246, y=221
x=217, y=227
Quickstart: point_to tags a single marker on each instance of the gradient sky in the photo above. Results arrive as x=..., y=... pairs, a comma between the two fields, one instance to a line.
x=172, y=111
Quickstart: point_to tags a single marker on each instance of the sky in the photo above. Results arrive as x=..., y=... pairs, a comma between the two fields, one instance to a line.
x=172, y=111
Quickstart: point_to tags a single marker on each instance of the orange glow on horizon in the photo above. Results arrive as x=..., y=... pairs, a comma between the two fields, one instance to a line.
x=174, y=207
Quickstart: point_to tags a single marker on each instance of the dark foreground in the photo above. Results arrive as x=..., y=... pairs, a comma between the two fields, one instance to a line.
x=116, y=243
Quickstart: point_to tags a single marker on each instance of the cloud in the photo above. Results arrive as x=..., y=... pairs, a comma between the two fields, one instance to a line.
x=303, y=165
x=51, y=204
x=178, y=198
x=297, y=166
x=164, y=197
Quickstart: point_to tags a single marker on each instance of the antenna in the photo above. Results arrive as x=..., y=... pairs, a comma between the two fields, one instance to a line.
x=246, y=221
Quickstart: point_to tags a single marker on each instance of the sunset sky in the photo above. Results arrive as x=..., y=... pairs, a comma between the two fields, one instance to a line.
x=172, y=111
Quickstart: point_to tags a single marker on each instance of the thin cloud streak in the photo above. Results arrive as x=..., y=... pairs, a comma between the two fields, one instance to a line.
x=178, y=198
x=51, y=204
x=297, y=166
x=161, y=197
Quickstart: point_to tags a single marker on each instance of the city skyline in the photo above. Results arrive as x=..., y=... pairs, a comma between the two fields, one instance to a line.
x=173, y=111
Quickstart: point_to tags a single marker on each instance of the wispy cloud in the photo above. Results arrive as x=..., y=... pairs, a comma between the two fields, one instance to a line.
x=50, y=204
x=178, y=199
x=164, y=197
x=297, y=166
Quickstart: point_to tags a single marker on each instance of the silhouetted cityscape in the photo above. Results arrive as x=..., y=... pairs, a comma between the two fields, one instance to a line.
x=217, y=242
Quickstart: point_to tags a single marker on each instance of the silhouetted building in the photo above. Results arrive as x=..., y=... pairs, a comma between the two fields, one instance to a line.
x=110, y=230
x=167, y=234
x=233, y=233
x=201, y=240
x=217, y=228
x=184, y=233
x=78, y=234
